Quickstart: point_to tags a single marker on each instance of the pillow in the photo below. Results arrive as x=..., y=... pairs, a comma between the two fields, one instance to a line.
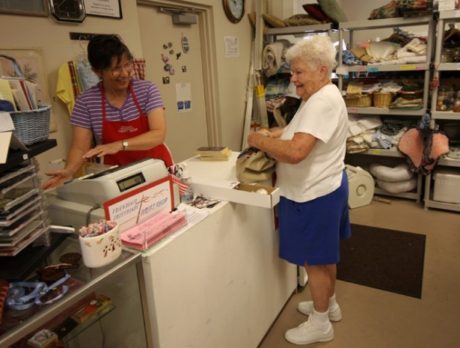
x=301, y=19
x=332, y=10
x=273, y=21
x=391, y=174
x=397, y=187
x=316, y=12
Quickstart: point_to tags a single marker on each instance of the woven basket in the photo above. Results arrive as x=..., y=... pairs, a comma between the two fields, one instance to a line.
x=358, y=100
x=382, y=99
x=32, y=126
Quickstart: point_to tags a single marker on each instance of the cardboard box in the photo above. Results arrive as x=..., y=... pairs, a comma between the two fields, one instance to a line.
x=239, y=193
x=446, y=186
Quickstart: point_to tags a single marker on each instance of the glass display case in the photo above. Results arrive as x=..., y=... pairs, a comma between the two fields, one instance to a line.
x=97, y=307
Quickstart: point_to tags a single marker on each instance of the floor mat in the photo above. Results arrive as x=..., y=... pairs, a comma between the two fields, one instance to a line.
x=384, y=259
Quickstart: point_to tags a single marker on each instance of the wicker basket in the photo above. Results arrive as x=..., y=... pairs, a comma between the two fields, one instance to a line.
x=358, y=100
x=382, y=99
x=32, y=126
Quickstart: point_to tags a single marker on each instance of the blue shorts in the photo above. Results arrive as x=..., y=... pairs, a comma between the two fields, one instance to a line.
x=310, y=232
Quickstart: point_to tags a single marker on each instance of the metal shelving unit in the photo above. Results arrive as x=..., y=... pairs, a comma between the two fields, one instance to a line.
x=445, y=18
x=349, y=28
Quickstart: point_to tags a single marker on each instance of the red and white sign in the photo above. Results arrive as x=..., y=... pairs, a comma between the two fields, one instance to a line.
x=136, y=206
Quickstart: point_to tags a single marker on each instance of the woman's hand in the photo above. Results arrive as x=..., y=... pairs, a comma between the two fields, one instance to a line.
x=104, y=149
x=58, y=177
x=264, y=131
x=253, y=138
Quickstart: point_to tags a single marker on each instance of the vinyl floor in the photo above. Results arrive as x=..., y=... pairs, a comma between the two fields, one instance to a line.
x=381, y=319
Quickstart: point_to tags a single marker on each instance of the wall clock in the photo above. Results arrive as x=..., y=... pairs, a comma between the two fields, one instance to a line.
x=68, y=10
x=234, y=10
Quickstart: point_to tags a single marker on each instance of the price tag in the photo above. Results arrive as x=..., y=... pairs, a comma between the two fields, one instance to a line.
x=408, y=67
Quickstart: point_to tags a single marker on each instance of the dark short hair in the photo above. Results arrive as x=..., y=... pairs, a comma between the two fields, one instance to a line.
x=103, y=48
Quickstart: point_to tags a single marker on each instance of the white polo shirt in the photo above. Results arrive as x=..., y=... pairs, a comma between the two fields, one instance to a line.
x=324, y=116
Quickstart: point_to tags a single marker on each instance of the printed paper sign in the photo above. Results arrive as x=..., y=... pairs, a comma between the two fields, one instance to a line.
x=136, y=206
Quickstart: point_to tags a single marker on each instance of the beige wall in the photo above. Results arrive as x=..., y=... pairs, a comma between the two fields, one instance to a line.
x=53, y=39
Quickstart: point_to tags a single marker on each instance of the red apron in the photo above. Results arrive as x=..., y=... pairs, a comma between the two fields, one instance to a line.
x=121, y=130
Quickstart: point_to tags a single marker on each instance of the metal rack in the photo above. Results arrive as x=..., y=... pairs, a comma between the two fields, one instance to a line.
x=445, y=18
x=23, y=216
x=347, y=29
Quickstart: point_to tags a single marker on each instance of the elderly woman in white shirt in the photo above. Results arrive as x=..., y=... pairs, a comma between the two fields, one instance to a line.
x=313, y=210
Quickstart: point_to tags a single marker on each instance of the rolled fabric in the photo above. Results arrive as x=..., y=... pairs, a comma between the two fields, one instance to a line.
x=397, y=187
x=391, y=174
x=273, y=57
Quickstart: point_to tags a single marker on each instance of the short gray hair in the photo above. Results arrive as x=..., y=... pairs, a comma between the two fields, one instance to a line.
x=314, y=51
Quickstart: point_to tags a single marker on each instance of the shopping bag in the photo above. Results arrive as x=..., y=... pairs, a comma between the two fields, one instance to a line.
x=253, y=166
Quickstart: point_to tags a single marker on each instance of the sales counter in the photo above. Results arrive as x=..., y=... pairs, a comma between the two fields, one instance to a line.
x=220, y=282
x=217, y=282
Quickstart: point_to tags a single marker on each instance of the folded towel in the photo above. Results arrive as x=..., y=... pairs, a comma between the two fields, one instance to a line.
x=273, y=57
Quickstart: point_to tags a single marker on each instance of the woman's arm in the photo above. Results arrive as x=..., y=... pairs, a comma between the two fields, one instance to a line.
x=153, y=137
x=81, y=143
x=288, y=151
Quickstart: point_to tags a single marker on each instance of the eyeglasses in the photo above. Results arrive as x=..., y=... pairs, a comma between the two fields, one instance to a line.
x=128, y=67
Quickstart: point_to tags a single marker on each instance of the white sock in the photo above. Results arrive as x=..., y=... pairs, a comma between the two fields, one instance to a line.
x=332, y=302
x=320, y=319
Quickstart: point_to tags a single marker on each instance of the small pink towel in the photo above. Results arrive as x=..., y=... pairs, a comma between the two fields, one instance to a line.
x=144, y=235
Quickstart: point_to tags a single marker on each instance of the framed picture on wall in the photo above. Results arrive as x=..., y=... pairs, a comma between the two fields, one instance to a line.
x=25, y=7
x=104, y=8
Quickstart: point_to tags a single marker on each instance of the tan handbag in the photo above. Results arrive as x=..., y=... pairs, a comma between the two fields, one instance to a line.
x=254, y=166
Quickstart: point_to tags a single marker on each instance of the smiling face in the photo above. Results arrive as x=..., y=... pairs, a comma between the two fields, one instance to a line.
x=118, y=75
x=306, y=80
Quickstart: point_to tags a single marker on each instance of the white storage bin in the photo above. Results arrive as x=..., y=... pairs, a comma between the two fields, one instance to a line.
x=446, y=186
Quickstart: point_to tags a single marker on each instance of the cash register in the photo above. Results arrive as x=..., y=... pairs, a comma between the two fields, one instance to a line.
x=80, y=201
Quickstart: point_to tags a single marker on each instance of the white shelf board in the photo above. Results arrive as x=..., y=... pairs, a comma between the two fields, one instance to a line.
x=385, y=111
x=448, y=66
x=445, y=115
x=385, y=23
x=384, y=67
x=393, y=152
x=441, y=205
x=407, y=195
x=450, y=14
x=448, y=162
x=298, y=29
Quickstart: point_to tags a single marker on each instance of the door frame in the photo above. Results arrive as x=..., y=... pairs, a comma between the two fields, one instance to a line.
x=208, y=58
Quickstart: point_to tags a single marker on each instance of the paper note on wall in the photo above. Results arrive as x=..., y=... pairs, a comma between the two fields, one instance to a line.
x=183, y=96
x=232, y=47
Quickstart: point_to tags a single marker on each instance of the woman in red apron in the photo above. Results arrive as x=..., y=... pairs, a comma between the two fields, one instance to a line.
x=113, y=131
x=129, y=134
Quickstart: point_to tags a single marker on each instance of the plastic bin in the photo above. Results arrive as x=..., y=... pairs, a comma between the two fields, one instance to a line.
x=446, y=186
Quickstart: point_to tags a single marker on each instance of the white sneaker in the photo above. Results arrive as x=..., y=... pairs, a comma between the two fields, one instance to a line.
x=307, y=333
x=306, y=307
